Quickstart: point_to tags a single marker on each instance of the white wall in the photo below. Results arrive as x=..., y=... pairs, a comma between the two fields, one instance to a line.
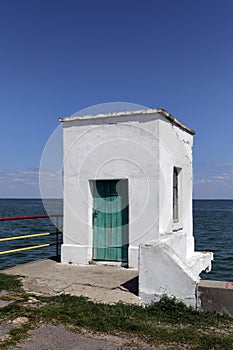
x=110, y=148
x=143, y=149
x=175, y=150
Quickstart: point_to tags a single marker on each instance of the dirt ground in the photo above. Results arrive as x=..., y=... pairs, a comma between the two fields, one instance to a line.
x=51, y=337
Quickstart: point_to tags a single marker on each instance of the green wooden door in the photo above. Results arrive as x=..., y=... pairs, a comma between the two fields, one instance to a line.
x=110, y=220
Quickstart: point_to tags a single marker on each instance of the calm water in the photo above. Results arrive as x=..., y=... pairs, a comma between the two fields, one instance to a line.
x=23, y=207
x=213, y=231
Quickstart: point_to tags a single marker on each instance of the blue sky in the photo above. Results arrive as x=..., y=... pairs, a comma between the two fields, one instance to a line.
x=57, y=57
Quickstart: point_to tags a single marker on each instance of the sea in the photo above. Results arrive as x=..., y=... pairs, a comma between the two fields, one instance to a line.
x=213, y=231
x=29, y=207
x=212, y=225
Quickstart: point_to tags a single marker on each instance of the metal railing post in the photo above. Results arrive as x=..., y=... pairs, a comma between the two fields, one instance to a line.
x=57, y=242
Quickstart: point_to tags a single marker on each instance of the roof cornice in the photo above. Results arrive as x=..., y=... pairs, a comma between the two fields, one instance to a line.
x=160, y=111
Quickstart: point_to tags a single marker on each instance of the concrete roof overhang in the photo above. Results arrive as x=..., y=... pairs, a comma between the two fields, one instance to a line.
x=160, y=111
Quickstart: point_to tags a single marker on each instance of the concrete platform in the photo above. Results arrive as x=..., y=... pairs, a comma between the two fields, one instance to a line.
x=216, y=296
x=100, y=283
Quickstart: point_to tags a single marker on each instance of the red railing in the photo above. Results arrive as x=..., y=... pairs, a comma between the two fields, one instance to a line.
x=28, y=217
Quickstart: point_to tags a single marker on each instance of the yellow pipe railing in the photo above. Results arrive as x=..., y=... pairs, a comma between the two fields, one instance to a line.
x=25, y=248
x=26, y=236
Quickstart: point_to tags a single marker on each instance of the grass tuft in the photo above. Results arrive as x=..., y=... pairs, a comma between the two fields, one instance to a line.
x=10, y=282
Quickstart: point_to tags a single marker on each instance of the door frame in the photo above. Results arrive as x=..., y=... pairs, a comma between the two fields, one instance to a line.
x=90, y=221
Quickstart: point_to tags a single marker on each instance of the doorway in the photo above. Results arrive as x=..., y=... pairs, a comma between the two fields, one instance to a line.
x=110, y=220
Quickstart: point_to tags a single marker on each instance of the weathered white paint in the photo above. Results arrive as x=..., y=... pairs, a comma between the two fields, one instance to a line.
x=143, y=147
x=162, y=272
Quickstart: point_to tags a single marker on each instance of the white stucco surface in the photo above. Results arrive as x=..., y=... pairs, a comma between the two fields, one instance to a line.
x=162, y=272
x=116, y=148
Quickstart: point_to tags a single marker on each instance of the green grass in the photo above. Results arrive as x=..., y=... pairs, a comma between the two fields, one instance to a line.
x=165, y=322
x=9, y=282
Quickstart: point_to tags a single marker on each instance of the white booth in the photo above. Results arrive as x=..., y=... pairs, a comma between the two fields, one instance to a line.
x=128, y=198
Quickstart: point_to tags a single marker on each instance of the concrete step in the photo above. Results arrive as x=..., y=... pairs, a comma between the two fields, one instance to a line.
x=200, y=261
